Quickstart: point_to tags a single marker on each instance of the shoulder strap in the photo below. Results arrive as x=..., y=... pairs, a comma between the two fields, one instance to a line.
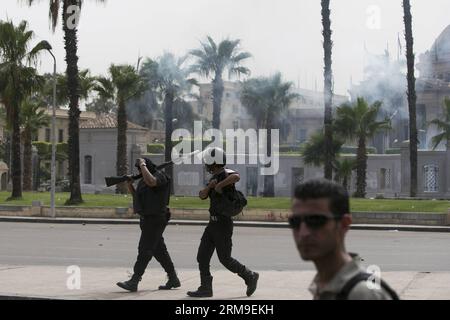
x=345, y=292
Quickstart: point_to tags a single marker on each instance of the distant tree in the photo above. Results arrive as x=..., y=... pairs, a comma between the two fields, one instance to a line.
x=213, y=59
x=359, y=122
x=170, y=75
x=313, y=150
x=147, y=109
x=122, y=85
x=343, y=168
x=18, y=79
x=184, y=115
x=70, y=30
x=86, y=81
x=443, y=125
x=101, y=106
x=265, y=99
x=32, y=118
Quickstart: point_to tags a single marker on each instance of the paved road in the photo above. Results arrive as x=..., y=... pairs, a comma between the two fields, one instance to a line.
x=262, y=249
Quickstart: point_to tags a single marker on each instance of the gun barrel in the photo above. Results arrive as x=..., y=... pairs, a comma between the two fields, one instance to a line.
x=112, y=181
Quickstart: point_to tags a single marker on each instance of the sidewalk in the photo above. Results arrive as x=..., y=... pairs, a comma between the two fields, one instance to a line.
x=258, y=224
x=99, y=284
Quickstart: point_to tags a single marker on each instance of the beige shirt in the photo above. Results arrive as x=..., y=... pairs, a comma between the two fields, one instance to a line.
x=361, y=291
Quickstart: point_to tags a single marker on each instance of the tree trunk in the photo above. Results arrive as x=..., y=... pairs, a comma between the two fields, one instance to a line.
x=16, y=162
x=218, y=89
x=168, y=115
x=27, y=161
x=269, y=180
x=121, y=158
x=71, y=47
x=328, y=90
x=412, y=98
x=345, y=182
x=361, y=168
x=8, y=153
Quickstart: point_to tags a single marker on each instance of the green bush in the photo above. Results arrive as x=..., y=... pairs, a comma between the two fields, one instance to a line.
x=43, y=148
x=354, y=150
x=290, y=149
x=62, y=148
x=155, y=148
x=393, y=151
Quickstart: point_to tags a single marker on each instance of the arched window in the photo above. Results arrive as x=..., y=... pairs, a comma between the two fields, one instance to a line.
x=431, y=178
x=88, y=169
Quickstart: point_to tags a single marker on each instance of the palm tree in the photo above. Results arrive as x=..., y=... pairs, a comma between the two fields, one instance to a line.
x=343, y=168
x=122, y=85
x=313, y=151
x=328, y=88
x=412, y=97
x=18, y=79
x=73, y=85
x=171, y=78
x=268, y=97
x=32, y=117
x=359, y=122
x=443, y=126
x=212, y=60
x=87, y=83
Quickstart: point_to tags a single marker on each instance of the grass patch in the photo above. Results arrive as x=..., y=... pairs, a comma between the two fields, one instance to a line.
x=369, y=205
x=90, y=200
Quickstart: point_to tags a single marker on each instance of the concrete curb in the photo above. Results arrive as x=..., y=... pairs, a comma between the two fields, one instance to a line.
x=254, y=224
x=17, y=297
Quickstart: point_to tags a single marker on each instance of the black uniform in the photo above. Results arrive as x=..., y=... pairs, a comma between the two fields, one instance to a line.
x=151, y=204
x=218, y=234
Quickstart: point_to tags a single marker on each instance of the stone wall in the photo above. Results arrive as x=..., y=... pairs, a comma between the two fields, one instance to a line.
x=425, y=219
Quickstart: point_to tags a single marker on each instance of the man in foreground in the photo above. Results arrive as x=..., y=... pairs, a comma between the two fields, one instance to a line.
x=320, y=221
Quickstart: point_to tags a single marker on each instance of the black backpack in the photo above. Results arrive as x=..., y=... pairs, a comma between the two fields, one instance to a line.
x=345, y=292
x=233, y=201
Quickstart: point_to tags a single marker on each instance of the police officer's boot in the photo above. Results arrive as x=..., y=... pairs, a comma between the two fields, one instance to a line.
x=205, y=290
x=130, y=285
x=172, y=282
x=251, y=280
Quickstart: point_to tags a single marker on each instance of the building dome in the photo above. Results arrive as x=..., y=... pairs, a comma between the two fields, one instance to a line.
x=3, y=166
x=442, y=44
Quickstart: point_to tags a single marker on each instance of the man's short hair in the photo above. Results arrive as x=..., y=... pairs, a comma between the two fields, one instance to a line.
x=339, y=201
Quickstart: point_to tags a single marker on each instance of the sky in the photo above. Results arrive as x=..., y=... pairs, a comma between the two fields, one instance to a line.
x=283, y=35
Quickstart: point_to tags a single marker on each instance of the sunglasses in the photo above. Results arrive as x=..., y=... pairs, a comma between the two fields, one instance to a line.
x=312, y=221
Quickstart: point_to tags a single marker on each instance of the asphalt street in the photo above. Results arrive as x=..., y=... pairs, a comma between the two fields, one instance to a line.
x=33, y=244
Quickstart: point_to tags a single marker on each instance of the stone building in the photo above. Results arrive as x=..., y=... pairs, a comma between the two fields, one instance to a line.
x=433, y=86
x=387, y=175
x=3, y=176
x=62, y=135
x=233, y=114
x=98, y=147
x=303, y=117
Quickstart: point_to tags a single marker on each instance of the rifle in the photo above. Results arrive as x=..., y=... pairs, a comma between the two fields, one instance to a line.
x=112, y=181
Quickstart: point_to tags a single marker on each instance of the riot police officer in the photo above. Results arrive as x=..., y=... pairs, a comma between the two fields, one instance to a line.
x=150, y=201
x=217, y=235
